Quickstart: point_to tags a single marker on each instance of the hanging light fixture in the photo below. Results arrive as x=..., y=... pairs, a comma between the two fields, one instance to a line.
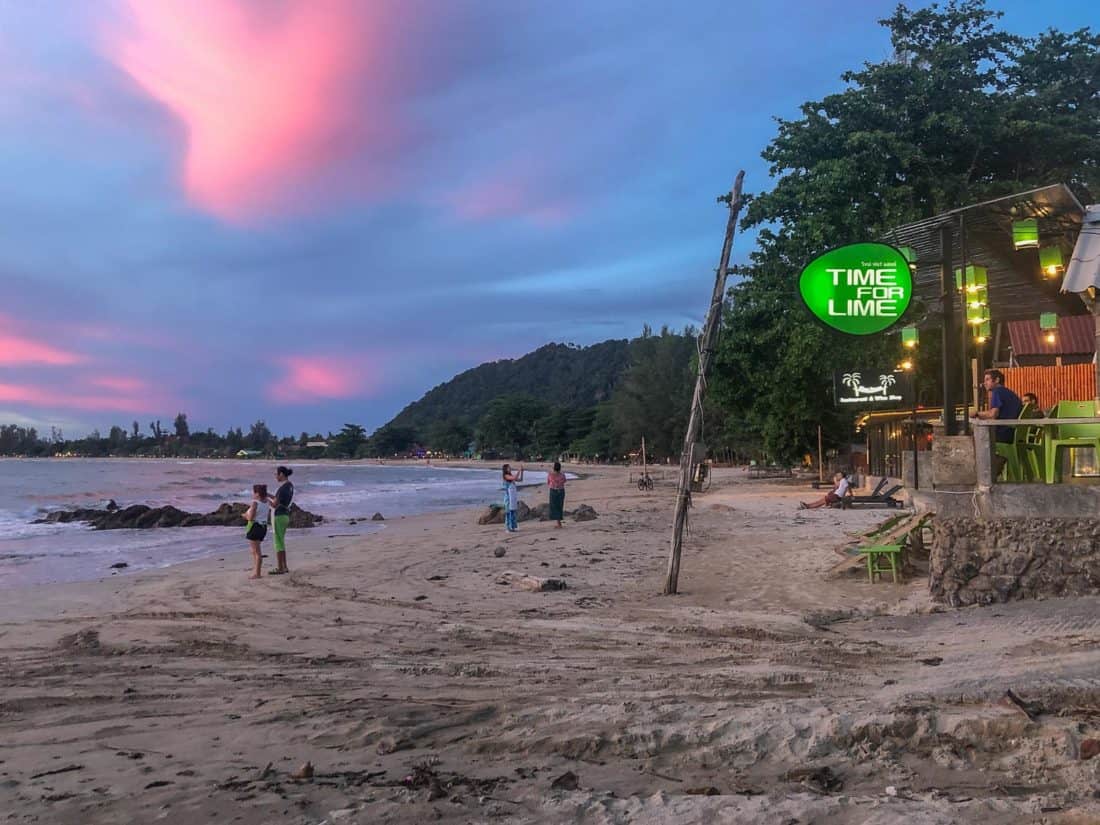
x=976, y=280
x=910, y=337
x=910, y=255
x=982, y=332
x=1048, y=322
x=1050, y=260
x=1025, y=234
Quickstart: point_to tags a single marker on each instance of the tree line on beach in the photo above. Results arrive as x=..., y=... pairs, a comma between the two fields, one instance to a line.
x=592, y=402
x=962, y=111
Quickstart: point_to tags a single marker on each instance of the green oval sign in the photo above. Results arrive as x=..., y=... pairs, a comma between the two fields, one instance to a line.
x=858, y=289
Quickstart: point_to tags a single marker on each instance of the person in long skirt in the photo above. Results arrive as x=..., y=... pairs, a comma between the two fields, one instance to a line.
x=511, y=495
x=555, y=480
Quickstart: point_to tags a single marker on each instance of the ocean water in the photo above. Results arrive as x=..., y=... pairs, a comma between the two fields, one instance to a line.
x=37, y=553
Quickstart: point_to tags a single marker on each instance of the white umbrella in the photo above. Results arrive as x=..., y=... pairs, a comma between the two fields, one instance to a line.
x=1084, y=267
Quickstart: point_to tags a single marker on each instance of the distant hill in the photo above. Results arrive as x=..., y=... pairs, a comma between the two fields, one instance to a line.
x=562, y=374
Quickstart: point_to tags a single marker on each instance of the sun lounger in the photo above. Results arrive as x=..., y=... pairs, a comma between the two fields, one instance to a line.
x=879, y=497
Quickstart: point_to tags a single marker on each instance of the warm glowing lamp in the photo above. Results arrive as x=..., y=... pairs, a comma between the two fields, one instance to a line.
x=1025, y=234
x=1050, y=260
x=982, y=332
x=906, y=365
x=976, y=279
x=910, y=337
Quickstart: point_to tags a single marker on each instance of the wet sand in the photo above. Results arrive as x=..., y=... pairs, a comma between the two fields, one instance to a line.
x=421, y=689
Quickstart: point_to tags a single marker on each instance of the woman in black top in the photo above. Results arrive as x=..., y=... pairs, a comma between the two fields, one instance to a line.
x=281, y=502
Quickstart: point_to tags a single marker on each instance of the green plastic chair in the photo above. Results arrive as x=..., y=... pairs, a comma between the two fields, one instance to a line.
x=1013, y=470
x=1029, y=446
x=1069, y=435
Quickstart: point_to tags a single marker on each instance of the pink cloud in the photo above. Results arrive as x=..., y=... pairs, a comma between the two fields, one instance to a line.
x=314, y=378
x=269, y=94
x=78, y=399
x=16, y=350
x=509, y=197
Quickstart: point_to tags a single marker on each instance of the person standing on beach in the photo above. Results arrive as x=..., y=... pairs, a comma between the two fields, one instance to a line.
x=555, y=480
x=257, y=514
x=511, y=496
x=281, y=520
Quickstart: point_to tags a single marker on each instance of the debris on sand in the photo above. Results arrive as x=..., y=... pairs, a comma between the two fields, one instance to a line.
x=821, y=779
x=304, y=772
x=568, y=781
x=536, y=584
x=1032, y=710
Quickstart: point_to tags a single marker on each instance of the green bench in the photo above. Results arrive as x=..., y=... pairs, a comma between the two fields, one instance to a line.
x=882, y=558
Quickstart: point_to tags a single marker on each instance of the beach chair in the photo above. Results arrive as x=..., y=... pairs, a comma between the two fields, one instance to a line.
x=882, y=482
x=880, y=496
x=1069, y=435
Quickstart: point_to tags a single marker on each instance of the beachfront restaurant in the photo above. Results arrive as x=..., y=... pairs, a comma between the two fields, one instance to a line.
x=995, y=286
x=1010, y=284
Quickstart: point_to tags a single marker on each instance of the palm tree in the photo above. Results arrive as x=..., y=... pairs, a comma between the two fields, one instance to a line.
x=887, y=380
x=851, y=379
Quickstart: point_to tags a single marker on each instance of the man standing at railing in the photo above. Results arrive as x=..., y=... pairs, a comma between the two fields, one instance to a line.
x=1004, y=405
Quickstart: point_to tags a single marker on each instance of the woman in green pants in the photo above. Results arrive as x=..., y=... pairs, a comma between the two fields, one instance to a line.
x=281, y=502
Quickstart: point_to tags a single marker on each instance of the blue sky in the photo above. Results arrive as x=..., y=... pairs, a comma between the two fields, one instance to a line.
x=313, y=212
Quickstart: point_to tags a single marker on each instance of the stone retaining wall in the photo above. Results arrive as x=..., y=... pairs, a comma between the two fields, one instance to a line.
x=984, y=561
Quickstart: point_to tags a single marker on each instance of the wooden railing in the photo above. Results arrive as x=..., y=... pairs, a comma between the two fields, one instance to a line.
x=1069, y=382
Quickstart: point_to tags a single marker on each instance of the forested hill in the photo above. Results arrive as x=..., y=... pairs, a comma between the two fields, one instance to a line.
x=564, y=375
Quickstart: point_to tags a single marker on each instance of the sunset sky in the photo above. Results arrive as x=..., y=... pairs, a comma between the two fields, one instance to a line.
x=313, y=212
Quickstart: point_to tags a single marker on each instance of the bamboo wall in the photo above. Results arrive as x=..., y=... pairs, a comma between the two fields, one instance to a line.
x=1072, y=382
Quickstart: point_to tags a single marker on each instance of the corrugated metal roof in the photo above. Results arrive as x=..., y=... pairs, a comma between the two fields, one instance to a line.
x=1076, y=336
x=1084, y=267
x=1017, y=289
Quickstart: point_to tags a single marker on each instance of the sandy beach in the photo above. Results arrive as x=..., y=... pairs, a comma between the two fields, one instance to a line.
x=420, y=688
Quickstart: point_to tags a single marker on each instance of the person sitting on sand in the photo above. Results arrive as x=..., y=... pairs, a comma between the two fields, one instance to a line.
x=511, y=495
x=257, y=514
x=834, y=496
x=555, y=480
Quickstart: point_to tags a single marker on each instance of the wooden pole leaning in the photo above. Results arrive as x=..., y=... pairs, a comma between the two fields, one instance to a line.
x=707, y=342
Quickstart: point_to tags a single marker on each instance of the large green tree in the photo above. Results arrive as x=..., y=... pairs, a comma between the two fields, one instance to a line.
x=654, y=398
x=961, y=112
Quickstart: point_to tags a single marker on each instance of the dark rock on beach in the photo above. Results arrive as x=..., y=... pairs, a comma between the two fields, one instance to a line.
x=494, y=513
x=141, y=516
x=584, y=513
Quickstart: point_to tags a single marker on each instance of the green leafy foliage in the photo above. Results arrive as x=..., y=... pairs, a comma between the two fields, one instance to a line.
x=963, y=111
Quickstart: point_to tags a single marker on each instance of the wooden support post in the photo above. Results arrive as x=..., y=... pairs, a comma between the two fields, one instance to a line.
x=820, y=458
x=1096, y=343
x=707, y=342
x=947, y=296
